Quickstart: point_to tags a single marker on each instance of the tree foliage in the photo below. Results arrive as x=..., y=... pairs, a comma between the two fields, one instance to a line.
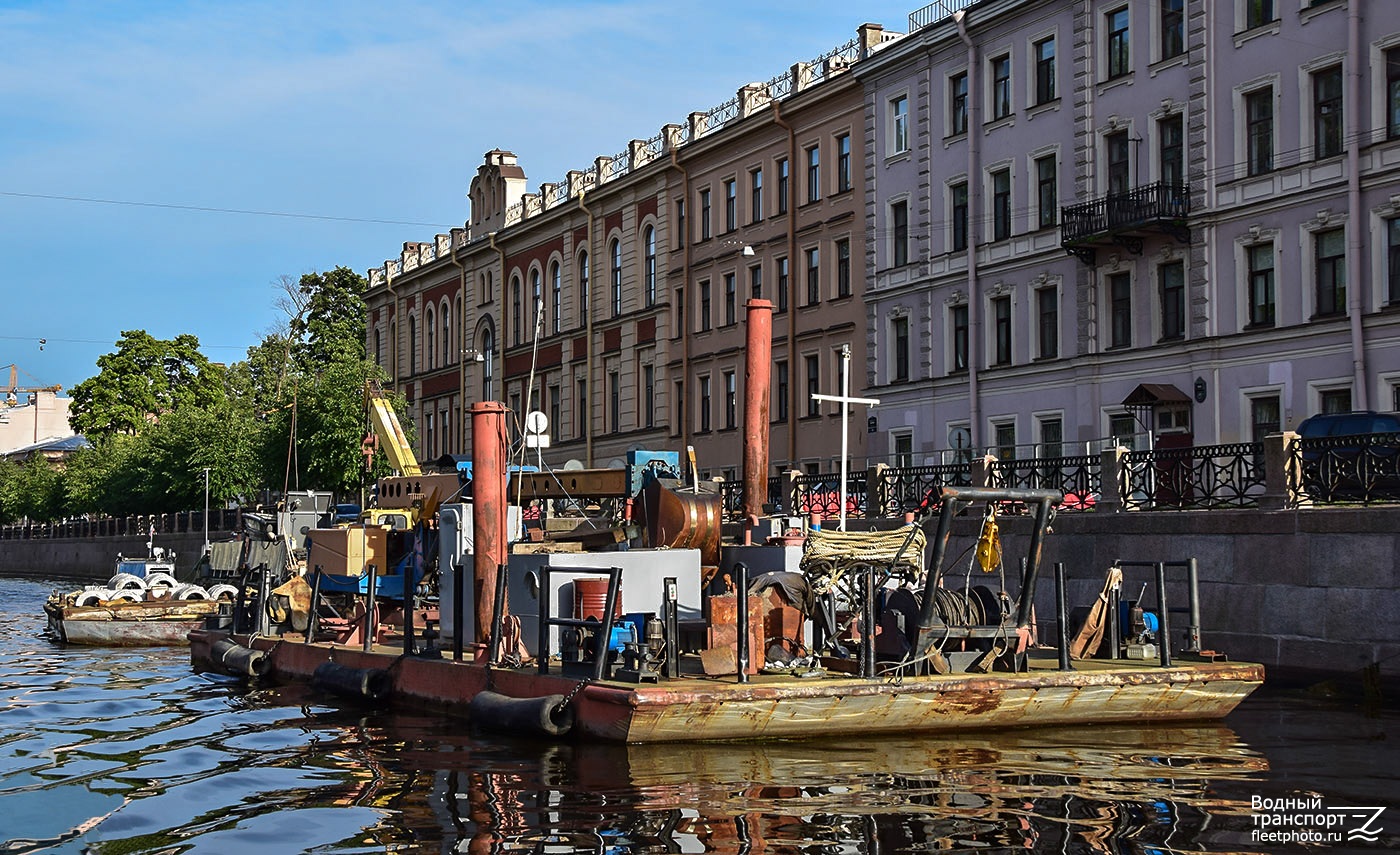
x=141, y=381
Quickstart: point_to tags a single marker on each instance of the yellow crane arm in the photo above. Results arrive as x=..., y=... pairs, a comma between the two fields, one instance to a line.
x=391, y=436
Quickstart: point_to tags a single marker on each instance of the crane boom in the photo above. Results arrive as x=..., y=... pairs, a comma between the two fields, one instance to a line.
x=391, y=435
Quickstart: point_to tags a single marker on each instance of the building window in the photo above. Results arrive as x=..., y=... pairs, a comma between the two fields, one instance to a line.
x=704, y=305
x=488, y=365
x=429, y=436
x=1264, y=416
x=903, y=449
x=378, y=349
x=731, y=205
x=731, y=400
x=430, y=352
x=1052, y=437
x=515, y=298
x=1257, y=13
x=1120, y=310
x=556, y=408
x=614, y=401
x=957, y=102
x=1116, y=144
x=1171, y=286
x=756, y=282
x=1331, y=250
x=1392, y=93
x=1327, y=112
x=959, y=218
x=814, y=288
x=648, y=396
x=445, y=319
x=755, y=195
x=649, y=264
x=814, y=407
x=899, y=328
x=843, y=268
x=814, y=173
x=1261, y=284
x=1001, y=204
x=780, y=387
x=1046, y=191
x=705, y=214
x=1335, y=400
x=1001, y=320
x=1259, y=119
x=730, y=300
x=679, y=329
x=959, y=321
x=1047, y=307
x=899, y=124
x=583, y=308
x=680, y=224
x=782, y=185
x=1392, y=232
x=615, y=275
x=536, y=299
x=843, y=163
x=781, y=286
x=1001, y=86
x=1005, y=433
x=556, y=292
x=1173, y=22
x=678, y=396
x=1045, y=71
x=1119, y=62
x=899, y=233
x=1170, y=152
x=581, y=407
x=704, y=404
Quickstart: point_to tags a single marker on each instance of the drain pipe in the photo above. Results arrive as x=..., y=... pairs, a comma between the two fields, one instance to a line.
x=461, y=345
x=793, y=385
x=680, y=310
x=588, y=335
x=974, y=217
x=505, y=314
x=1356, y=224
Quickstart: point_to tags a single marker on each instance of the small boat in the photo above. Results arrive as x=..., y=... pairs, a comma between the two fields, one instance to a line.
x=142, y=604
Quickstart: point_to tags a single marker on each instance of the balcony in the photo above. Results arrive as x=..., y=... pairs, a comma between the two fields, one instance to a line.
x=1124, y=219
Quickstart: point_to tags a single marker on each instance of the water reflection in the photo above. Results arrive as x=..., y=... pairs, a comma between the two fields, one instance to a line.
x=129, y=751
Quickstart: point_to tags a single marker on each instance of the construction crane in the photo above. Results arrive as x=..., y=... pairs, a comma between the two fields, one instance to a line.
x=13, y=390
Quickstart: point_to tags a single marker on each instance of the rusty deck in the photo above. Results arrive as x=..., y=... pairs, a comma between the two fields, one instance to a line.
x=783, y=707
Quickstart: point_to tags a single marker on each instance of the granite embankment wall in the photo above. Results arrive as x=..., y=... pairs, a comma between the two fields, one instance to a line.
x=1313, y=591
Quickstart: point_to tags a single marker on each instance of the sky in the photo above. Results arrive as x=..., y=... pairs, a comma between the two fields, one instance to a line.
x=163, y=165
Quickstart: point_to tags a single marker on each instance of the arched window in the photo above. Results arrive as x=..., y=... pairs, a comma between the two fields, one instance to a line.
x=649, y=264
x=412, y=345
x=488, y=365
x=615, y=274
x=515, y=309
x=430, y=352
x=583, y=288
x=447, y=336
x=536, y=299
x=556, y=288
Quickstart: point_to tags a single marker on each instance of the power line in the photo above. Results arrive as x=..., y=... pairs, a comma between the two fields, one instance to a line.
x=209, y=210
x=42, y=340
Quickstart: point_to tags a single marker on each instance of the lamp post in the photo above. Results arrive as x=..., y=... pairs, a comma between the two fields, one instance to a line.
x=206, y=510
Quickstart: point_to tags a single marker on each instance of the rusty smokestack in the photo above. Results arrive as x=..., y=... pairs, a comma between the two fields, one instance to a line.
x=758, y=382
x=488, y=508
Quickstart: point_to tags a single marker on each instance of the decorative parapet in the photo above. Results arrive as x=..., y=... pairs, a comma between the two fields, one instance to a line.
x=530, y=205
x=460, y=238
x=933, y=13
x=752, y=98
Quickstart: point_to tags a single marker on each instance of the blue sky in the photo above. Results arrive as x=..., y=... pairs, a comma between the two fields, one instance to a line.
x=348, y=112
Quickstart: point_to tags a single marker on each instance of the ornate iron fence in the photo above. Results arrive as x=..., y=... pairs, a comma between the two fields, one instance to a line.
x=915, y=489
x=138, y=525
x=821, y=493
x=1362, y=469
x=1207, y=476
x=1077, y=477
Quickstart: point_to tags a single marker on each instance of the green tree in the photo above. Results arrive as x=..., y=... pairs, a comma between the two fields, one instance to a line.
x=330, y=329
x=35, y=491
x=140, y=382
x=9, y=475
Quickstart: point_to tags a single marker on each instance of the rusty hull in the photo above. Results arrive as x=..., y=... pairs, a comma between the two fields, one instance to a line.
x=159, y=622
x=776, y=707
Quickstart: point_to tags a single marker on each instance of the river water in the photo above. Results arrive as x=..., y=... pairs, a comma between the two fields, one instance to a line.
x=122, y=751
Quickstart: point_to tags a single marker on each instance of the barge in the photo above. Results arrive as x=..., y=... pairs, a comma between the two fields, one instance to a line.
x=644, y=625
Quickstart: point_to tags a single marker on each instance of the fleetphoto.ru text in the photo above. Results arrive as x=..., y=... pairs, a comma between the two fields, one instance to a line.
x=1305, y=819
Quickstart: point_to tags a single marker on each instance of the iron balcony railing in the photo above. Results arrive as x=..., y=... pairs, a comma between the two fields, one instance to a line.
x=1147, y=205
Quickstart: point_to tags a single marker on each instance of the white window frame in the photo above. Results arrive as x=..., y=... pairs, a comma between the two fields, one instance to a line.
x=1237, y=100
x=897, y=137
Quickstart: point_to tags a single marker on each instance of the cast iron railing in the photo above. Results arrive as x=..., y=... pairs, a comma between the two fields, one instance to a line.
x=1361, y=469
x=1208, y=476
